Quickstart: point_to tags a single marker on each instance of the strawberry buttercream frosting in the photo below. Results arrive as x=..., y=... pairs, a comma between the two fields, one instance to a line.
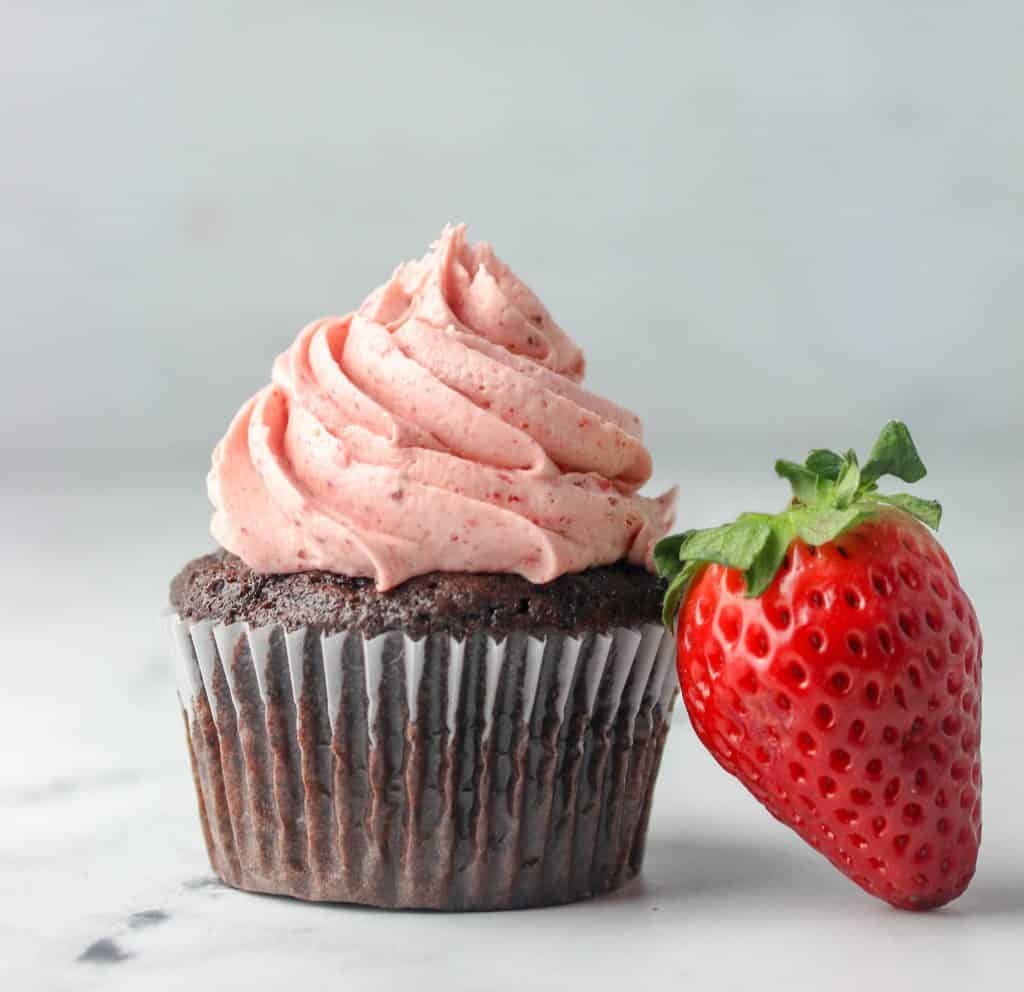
x=440, y=427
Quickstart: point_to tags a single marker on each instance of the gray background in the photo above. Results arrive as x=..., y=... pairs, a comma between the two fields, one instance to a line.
x=770, y=225
x=755, y=217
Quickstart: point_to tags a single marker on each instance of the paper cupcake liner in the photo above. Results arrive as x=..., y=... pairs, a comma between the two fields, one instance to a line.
x=434, y=773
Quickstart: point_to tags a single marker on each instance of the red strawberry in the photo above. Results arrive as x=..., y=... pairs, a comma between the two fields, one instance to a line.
x=830, y=660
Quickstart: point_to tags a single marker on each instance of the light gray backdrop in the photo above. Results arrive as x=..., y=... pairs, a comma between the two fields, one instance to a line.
x=786, y=218
x=769, y=224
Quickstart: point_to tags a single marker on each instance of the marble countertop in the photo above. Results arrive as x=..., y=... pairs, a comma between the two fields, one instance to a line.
x=106, y=882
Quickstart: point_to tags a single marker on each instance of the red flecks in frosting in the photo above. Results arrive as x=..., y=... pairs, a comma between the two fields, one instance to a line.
x=442, y=426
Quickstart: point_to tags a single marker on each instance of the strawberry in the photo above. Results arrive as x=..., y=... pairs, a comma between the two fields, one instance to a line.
x=830, y=660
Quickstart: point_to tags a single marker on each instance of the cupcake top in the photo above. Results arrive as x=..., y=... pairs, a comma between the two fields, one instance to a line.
x=440, y=427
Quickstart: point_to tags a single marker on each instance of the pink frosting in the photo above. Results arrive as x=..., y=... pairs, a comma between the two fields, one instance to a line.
x=440, y=427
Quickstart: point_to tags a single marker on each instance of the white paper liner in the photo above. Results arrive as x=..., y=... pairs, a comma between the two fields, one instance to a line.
x=438, y=772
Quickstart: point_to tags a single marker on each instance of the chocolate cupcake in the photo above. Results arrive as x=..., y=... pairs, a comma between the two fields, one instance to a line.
x=427, y=669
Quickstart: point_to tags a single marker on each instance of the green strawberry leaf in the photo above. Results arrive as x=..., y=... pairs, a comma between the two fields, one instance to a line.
x=894, y=453
x=820, y=527
x=926, y=510
x=803, y=481
x=674, y=594
x=735, y=545
x=848, y=481
x=825, y=463
x=666, y=554
x=767, y=561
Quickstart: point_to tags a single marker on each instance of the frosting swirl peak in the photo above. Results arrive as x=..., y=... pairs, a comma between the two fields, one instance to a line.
x=440, y=427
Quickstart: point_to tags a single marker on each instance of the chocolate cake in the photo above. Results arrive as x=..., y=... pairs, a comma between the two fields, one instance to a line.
x=223, y=588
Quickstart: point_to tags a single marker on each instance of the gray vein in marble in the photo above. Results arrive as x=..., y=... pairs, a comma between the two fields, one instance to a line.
x=107, y=950
x=65, y=788
x=203, y=882
x=104, y=951
x=148, y=918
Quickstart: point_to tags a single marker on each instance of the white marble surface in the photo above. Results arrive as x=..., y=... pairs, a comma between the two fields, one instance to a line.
x=105, y=882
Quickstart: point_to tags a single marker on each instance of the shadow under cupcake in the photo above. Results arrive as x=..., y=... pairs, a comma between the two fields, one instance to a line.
x=448, y=699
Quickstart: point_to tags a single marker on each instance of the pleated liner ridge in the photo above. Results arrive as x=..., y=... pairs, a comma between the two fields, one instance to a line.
x=433, y=773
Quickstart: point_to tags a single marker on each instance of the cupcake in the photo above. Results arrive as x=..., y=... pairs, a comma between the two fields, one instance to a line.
x=426, y=666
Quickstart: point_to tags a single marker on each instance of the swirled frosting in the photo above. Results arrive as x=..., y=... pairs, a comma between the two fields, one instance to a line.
x=440, y=427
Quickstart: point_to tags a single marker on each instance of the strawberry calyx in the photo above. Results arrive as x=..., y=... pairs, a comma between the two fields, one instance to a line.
x=831, y=494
